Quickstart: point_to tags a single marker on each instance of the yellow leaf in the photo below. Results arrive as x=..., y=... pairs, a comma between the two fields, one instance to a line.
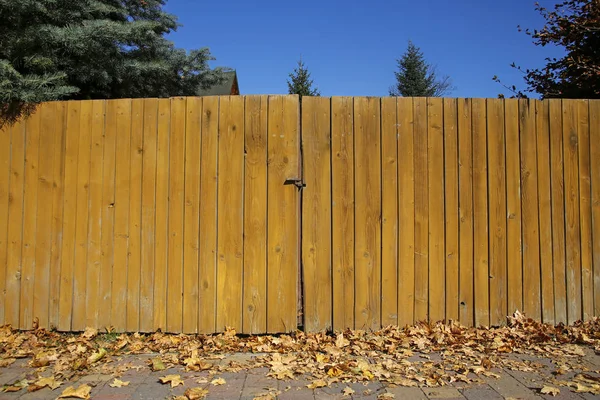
x=196, y=393
x=340, y=341
x=218, y=381
x=97, y=355
x=347, y=391
x=174, y=379
x=550, y=390
x=385, y=396
x=320, y=358
x=10, y=389
x=117, y=383
x=43, y=382
x=319, y=383
x=6, y=362
x=82, y=392
x=157, y=364
x=90, y=333
x=334, y=371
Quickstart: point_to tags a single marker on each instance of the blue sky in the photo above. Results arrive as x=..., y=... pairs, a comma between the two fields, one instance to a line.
x=350, y=46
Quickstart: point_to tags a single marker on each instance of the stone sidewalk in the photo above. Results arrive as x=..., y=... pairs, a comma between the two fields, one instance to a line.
x=254, y=383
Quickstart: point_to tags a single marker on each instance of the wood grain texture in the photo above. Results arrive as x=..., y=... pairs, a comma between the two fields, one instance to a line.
x=4, y=204
x=545, y=208
x=389, y=205
x=451, y=187
x=585, y=209
x=191, y=230
x=514, y=239
x=175, y=225
x=342, y=169
x=465, y=202
x=572, y=222
x=207, y=296
x=161, y=256
x=406, y=212
x=94, y=263
x=27, y=276
x=134, y=255
x=497, y=211
x=558, y=211
x=148, y=239
x=316, y=213
x=367, y=187
x=421, y=312
x=595, y=177
x=254, y=307
x=480, y=213
x=230, y=262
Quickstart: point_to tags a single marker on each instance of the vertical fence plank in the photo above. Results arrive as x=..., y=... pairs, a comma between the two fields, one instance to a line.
x=175, y=226
x=148, y=240
x=465, y=201
x=513, y=205
x=543, y=176
x=161, y=258
x=254, y=314
x=27, y=276
x=207, y=296
x=57, y=212
x=122, y=196
x=497, y=211
x=282, y=256
x=231, y=213
x=480, y=213
x=95, y=216
x=316, y=213
x=452, y=211
x=367, y=187
x=421, y=211
x=389, y=228
x=558, y=211
x=81, y=224
x=191, y=214
x=5, y=173
x=406, y=205
x=573, y=243
x=435, y=170
x=529, y=193
x=585, y=210
x=342, y=166
x=69, y=219
x=108, y=214
x=595, y=180
x=135, y=216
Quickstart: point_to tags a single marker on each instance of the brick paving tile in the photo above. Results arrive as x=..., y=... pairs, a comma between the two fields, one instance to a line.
x=442, y=393
x=402, y=392
x=507, y=386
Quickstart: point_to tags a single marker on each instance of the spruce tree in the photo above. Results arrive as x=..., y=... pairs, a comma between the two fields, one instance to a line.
x=300, y=82
x=417, y=78
x=89, y=49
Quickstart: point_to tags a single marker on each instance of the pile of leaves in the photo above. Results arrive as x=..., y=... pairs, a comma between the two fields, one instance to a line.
x=421, y=355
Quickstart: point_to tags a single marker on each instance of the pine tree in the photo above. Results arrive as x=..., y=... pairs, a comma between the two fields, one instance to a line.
x=89, y=49
x=417, y=78
x=300, y=82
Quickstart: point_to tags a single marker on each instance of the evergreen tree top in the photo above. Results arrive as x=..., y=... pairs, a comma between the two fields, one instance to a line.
x=300, y=82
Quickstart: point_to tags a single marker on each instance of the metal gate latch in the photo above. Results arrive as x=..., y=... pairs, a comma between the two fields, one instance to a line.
x=296, y=182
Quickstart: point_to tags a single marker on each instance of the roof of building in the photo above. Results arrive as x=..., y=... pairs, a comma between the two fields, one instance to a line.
x=222, y=89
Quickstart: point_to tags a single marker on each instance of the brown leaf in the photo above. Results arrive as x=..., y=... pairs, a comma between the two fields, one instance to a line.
x=90, y=333
x=117, y=383
x=218, y=382
x=196, y=393
x=11, y=389
x=5, y=362
x=41, y=383
x=319, y=383
x=174, y=379
x=549, y=390
x=340, y=341
x=347, y=391
x=385, y=396
x=82, y=392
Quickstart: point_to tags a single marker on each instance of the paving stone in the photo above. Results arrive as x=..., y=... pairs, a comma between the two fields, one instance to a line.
x=403, y=392
x=442, y=393
x=481, y=392
x=508, y=386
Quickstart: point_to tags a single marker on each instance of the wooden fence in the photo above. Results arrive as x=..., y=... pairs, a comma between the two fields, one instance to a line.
x=182, y=214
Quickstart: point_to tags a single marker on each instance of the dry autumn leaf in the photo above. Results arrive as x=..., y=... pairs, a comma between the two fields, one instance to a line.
x=218, y=381
x=550, y=390
x=385, y=396
x=347, y=391
x=117, y=383
x=196, y=393
x=97, y=356
x=5, y=362
x=175, y=380
x=319, y=383
x=157, y=364
x=82, y=392
x=41, y=383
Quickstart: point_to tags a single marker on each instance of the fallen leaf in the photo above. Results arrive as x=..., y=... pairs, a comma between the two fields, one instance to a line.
x=202, y=380
x=340, y=341
x=90, y=333
x=82, y=392
x=218, y=381
x=97, y=356
x=264, y=396
x=384, y=396
x=117, y=383
x=196, y=393
x=5, y=362
x=174, y=379
x=11, y=389
x=157, y=364
x=347, y=391
x=41, y=383
x=319, y=383
x=550, y=390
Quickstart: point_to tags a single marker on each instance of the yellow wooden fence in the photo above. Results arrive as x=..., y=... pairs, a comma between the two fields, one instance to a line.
x=180, y=214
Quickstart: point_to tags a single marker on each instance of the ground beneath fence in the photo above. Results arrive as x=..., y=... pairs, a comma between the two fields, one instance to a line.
x=522, y=360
